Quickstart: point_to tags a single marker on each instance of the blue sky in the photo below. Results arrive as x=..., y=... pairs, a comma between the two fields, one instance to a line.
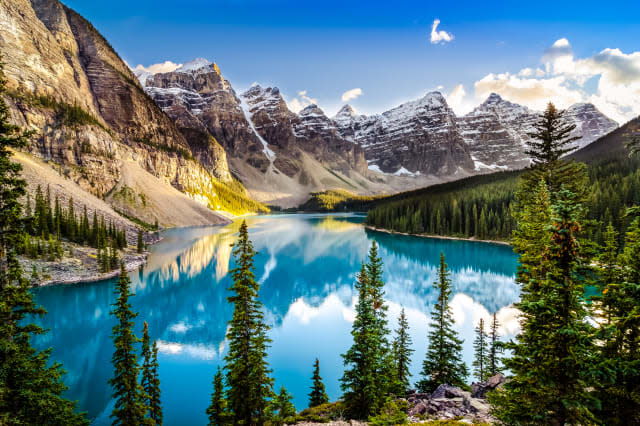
x=326, y=48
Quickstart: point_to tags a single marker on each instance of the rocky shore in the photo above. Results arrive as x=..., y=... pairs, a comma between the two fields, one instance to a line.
x=79, y=268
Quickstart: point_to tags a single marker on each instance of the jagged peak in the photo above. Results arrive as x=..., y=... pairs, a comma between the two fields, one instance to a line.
x=310, y=110
x=196, y=65
x=346, y=111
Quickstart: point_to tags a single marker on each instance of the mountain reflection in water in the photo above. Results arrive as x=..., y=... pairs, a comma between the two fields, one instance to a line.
x=306, y=265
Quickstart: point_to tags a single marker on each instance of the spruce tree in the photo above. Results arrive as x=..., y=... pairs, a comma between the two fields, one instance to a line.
x=480, y=353
x=368, y=374
x=618, y=384
x=129, y=406
x=318, y=395
x=155, y=406
x=402, y=356
x=150, y=382
x=248, y=381
x=282, y=408
x=217, y=410
x=550, y=360
x=31, y=386
x=495, y=348
x=443, y=363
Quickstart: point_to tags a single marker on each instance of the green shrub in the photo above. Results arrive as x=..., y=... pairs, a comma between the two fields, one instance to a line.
x=392, y=413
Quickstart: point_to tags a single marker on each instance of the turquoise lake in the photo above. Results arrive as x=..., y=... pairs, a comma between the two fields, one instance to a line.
x=306, y=265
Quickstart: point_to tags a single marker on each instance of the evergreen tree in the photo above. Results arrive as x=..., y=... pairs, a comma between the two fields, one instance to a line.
x=402, y=355
x=155, y=406
x=217, y=410
x=129, y=407
x=550, y=360
x=547, y=145
x=150, y=382
x=31, y=387
x=443, y=363
x=480, y=353
x=368, y=374
x=318, y=395
x=618, y=384
x=495, y=348
x=282, y=408
x=140, y=246
x=248, y=381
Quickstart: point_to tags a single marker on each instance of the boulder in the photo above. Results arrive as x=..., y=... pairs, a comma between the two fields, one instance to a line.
x=480, y=390
x=448, y=391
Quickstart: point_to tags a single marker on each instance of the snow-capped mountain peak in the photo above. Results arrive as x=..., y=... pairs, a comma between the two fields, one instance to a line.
x=194, y=65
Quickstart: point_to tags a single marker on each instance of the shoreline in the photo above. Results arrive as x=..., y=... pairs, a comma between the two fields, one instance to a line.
x=439, y=237
x=100, y=276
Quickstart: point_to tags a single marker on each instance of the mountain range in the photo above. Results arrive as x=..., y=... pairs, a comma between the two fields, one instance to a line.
x=130, y=137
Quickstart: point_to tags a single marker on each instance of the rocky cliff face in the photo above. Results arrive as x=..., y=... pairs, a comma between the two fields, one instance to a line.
x=419, y=137
x=88, y=109
x=497, y=131
x=425, y=136
x=198, y=98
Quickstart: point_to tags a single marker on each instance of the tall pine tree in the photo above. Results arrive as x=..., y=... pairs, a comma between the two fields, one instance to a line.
x=248, y=381
x=217, y=410
x=618, y=384
x=402, y=356
x=31, y=387
x=480, y=353
x=150, y=381
x=129, y=406
x=552, y=356
x=318, y=395
x=443, y=363
x=495, y=348
x=368, y=374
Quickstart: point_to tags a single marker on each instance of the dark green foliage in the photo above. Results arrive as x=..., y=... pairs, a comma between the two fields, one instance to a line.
x=495, y=349
x=401, y=357
x=392, y=413
x=552, y=356
x=368, y=373
x=618, y=384
x=129, y=406
x=31, y=387
x=443, y=362
x=248, y=381
x=481, y=353
x=282, y=409
x=318, y=395
x=217, y=410
x=140, y=245
x=49, y=226
x=150, y=380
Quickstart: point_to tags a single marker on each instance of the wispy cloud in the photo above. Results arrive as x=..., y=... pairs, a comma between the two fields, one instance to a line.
x=439, y=36
x=351, y=94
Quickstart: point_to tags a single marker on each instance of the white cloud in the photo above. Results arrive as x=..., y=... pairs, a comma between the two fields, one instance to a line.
x=301, y=101
x=166, y=66
x=439, y=36
x=563, y=78
x=351, y=94
x=458, y=100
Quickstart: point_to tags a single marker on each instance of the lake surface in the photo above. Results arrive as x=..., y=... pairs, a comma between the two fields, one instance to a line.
x=306, y=265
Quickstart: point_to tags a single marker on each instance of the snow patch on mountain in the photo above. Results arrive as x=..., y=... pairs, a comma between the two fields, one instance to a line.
x=247, y=114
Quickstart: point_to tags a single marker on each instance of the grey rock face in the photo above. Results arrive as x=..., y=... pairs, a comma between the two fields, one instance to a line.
x=420, y=137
